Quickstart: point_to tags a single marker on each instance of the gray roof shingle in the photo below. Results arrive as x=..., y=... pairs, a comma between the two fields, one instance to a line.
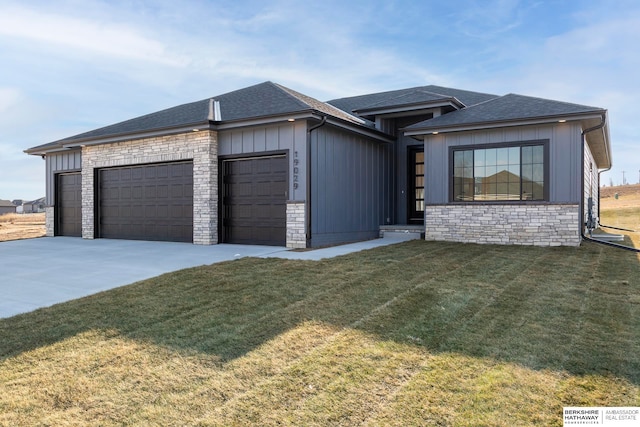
x=409, y=96
x=261, y=100
x=510, y=107
x=269, y=99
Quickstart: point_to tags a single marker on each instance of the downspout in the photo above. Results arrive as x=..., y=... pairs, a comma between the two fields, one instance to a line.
x=603, y=121
x=308, y=210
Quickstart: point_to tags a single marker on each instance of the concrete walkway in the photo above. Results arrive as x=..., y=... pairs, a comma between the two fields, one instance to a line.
x=37, y=273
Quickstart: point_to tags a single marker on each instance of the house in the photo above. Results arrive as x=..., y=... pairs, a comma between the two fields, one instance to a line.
x=7, y=207
x=268, y=165
x=34, y=206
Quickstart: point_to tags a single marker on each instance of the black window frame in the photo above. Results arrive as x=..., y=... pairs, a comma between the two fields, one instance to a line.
x=543, y=142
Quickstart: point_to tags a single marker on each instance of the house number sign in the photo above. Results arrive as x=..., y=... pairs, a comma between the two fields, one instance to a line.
x=295, y=170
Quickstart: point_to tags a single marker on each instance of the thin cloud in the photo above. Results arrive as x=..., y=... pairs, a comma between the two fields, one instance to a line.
x=68, y=69
x=90, y=36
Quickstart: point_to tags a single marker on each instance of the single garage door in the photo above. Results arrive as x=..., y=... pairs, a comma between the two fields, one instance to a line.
x=69, y=204
x=146, y=202
x=254, y=200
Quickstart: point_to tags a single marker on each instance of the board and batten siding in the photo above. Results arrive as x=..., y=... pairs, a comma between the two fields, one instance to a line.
x=65, y=161
x=351, y=186
x=591, y=184
x=564, y=158
x=290, y=137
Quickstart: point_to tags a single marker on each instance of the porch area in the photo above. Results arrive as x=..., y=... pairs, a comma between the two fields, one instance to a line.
x=408, y=231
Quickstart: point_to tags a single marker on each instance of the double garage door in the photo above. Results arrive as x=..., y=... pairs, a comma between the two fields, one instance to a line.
x=155, y=202
x=146, y=202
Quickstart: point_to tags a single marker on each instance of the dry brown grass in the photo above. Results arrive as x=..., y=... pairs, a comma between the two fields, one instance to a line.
x=623, y=212
x=21, y=226
x=628, y=196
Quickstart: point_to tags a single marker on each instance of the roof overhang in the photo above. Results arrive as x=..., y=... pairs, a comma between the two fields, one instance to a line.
x=403, y=109
x=361, y=129
x=68, y=144
x=65, y=145
x=43, y=151
x=599, y=140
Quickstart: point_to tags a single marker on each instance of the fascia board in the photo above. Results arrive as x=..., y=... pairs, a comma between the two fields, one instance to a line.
x=45, y=151
x=412, y=112
x=502, y=123
x=136, y=135
x=266, y=120
x=408, y=107
x=313, y=114
x=600, y=145
x=370, y=132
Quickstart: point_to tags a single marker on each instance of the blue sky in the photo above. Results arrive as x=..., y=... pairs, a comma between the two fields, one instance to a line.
x=71, y=66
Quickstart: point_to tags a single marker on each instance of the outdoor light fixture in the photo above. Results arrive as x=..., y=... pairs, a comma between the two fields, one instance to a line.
x=291, y=120
x=562, y=121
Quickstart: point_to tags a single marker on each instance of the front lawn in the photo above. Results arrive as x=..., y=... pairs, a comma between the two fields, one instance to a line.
x=419, y=333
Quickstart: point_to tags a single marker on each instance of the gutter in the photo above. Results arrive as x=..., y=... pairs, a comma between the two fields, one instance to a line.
x=602, y=123
x=308, y=210
x=490, y=124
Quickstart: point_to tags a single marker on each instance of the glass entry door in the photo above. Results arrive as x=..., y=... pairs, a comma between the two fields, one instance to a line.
x=416, y=185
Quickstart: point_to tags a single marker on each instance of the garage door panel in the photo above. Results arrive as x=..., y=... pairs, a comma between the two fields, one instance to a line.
x=69, y=204
x=254, y=202
x=147, y=202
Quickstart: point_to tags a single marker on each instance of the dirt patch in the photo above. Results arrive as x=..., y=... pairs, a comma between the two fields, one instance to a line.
x=21, y=226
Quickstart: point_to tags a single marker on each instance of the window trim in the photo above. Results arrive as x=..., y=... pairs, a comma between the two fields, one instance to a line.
x=543, y=142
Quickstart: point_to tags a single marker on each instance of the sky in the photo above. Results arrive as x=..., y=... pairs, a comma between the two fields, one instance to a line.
x=67, y=67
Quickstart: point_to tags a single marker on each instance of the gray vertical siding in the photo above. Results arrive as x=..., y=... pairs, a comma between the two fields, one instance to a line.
x=351, y=186
x=290, y=137
x=60, y=162
x=590, y=183
x=564, y=157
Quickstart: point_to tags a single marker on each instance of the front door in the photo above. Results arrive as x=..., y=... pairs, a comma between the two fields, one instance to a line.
x=416, y=185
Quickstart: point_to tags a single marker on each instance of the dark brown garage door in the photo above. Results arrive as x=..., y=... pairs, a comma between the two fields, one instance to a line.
x=69, y=204
x=146, y=202
x=254, y=202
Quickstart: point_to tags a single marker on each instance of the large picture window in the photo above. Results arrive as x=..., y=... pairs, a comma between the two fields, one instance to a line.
x=499, y=173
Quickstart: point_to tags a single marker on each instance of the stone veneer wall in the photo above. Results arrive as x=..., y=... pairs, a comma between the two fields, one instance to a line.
x=296, y=236
x=201, y=147
x=49, y=218
x=530, y=224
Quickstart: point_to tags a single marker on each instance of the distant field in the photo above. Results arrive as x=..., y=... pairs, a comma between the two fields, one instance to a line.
x=623, y=212
x=21, y=226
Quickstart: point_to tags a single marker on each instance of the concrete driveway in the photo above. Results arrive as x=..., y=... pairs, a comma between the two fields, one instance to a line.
x=37, y=273
x=41, y=272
